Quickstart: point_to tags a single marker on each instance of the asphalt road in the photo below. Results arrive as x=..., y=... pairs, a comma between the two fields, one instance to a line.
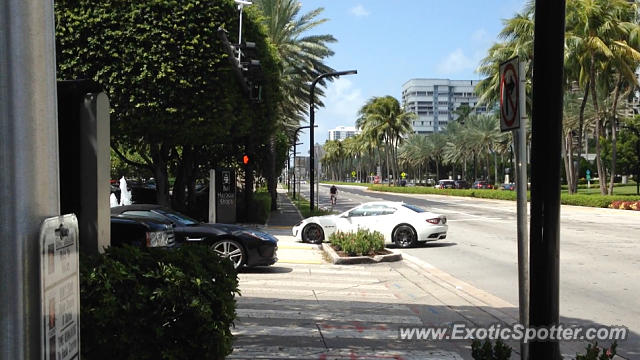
x=599, y=254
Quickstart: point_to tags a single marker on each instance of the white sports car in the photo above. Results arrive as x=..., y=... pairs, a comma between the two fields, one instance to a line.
x=404, y=224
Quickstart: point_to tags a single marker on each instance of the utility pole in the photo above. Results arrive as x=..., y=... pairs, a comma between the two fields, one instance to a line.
x=29, y=178
x=546, y=145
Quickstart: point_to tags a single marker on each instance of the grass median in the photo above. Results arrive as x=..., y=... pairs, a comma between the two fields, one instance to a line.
x=303, y=206
x=581, y=199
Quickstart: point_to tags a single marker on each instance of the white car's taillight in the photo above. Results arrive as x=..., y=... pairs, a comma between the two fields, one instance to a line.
x=438, y=220
x=157, y=239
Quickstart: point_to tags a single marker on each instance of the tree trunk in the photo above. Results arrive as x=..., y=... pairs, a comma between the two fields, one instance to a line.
x=583, y=104
x=568, y=164
x=495, y=168
x=183, y=174
x=272, y=182
x=160, y=156
x=475, y=166
x=594, y=95
x=614, y=135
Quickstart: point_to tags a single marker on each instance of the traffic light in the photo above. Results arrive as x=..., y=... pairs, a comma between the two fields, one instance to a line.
x=245, y=159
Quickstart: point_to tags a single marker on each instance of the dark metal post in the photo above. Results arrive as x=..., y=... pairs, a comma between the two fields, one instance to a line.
x=311, y=123
x=546, y=147
x=29, y=175
x=295, y=142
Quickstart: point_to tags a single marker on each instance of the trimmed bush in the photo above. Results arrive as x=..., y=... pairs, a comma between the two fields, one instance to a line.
x=157, y=304
x=486, y=351
x=362, y=243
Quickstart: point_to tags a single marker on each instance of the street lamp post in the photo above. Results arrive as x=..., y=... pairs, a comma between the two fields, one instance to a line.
x=295, y=138
x=311, y=122
x=294, y=168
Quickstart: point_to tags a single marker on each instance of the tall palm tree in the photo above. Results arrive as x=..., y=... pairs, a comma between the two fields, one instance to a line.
x=486, y=131
x=302, y=59
x=438, y=142
x=598, y=34
x=384, y=116
x=416, y=151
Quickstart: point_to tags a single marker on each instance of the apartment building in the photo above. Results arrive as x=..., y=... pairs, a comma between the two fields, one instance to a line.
x=435, y=100
x=343, y=132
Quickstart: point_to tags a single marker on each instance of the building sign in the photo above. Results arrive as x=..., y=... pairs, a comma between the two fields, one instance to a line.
x=60, y=288
x=225, y=196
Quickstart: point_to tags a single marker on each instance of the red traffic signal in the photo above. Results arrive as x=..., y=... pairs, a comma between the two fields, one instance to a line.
x=245, y=159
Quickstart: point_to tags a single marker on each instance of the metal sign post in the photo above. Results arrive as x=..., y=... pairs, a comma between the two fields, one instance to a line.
x=513, y=117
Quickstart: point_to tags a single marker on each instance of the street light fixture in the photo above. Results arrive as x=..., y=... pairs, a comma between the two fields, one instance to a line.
x=241, y=5
x=311, y=122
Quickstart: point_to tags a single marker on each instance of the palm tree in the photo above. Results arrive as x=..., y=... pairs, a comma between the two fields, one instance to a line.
x=517, y=36
x=598, y=35
x=383, y=116
x=485, y=130
x=416, y=151
x=302, y=59
x=438, y=142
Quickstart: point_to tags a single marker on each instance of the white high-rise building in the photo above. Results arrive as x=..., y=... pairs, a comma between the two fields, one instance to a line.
x=343, y=132
x=434, y=101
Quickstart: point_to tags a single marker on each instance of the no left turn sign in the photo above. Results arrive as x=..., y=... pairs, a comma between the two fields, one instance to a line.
x=509, y=95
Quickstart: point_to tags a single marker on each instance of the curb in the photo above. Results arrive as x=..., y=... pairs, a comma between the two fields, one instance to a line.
x=338, y=260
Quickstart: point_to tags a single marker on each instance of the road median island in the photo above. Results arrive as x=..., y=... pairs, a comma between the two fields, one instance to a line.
x=337, y=259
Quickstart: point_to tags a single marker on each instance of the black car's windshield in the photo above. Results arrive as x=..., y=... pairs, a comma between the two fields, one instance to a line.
x=181, y=219
x=414, y=208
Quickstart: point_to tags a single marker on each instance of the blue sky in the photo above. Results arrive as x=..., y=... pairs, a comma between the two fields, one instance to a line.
x=392, y=41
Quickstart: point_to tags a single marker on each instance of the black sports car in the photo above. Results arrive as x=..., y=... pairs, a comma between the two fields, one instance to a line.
x=243, y=246
x=139, y=231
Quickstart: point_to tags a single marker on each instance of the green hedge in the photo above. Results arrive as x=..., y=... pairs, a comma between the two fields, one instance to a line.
x=262, y=208
x=157, y=304
x=591, y=200
x=362, y=243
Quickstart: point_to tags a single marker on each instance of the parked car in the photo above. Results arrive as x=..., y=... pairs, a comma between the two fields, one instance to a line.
x=481, y=184
x=243, y=246
x=446, y=184
x=400, y=223
x=510, y=186
x=142, y=232
x=461, y=184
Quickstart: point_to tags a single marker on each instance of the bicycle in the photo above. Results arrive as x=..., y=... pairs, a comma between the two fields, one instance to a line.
x=334, y=199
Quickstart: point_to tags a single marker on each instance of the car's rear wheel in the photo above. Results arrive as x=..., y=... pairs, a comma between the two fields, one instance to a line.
x=404, y=236
x=231, y=250
x=313, y=234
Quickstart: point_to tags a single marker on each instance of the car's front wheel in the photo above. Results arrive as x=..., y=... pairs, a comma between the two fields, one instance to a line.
x=404, y=236
x=230, y=249
x=313, y=234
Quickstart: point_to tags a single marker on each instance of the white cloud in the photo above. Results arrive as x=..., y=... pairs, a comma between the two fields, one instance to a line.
x=455, y=62
x=359, y=11
x=480, y=36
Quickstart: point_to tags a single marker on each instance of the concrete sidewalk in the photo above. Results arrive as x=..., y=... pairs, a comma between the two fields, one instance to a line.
x=305, y=308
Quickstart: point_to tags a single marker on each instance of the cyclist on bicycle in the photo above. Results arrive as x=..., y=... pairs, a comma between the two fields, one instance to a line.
x=334, y=193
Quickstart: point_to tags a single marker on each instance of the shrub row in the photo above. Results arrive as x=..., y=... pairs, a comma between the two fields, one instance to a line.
x=591, y=200
x=362, y=243
x=157, y=304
